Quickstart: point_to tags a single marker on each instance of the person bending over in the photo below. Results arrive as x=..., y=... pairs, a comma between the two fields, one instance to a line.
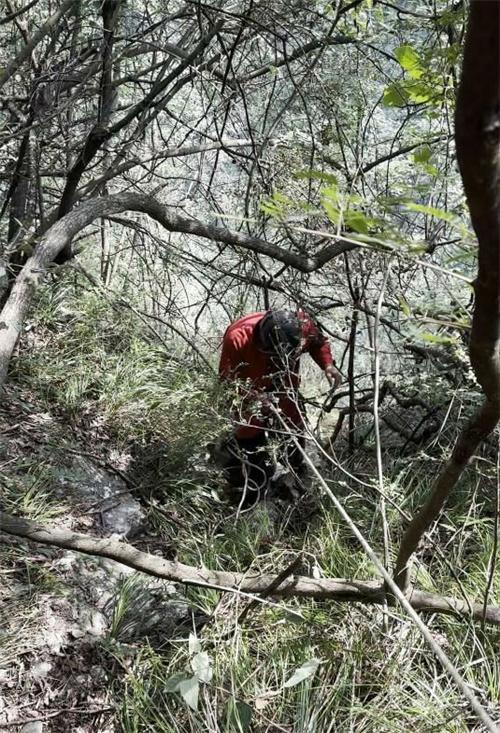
x=261, y=355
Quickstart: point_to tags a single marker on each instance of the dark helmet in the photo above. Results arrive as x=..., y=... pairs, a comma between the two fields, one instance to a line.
x=280, y=332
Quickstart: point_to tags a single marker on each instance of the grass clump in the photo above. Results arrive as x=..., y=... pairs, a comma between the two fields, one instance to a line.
x=279, y=675
x=29, y=492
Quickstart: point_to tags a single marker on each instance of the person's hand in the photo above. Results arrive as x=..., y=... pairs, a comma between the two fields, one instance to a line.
x=334, y=376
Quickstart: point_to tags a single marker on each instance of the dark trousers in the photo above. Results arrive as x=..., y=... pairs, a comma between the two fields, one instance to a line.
x=250, y=467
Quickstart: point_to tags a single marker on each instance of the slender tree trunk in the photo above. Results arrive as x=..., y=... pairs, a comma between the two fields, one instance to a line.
x=350, y=374
x=477, y=133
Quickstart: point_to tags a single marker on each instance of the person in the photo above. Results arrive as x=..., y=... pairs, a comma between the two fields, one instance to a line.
x=261, y=356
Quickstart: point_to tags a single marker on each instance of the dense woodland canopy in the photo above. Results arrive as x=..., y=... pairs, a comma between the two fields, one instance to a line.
x=168, y=167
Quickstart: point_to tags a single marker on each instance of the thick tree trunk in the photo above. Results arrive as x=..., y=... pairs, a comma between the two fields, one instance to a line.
x=478, y=151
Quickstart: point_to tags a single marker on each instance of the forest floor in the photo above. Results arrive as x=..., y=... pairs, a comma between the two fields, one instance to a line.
x=58, y=609
x=102, y=435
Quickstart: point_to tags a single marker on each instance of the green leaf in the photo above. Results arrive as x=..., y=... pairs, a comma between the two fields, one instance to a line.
x=303, y=673
x=435, y=338
x=431, y=170
x=354, y=199
x=357, y=220
x=419, y=92
x=431, y=211
x=418, y=249
x=395, y=95
x=276, y=205
x=201, y=666
x=316, y=175
x=400, y=93
x=189, y=690
x=410, y=61
x=239, y=715
x=172, y=684
x=331, y=193
x=405, y=307
x=332, y=212
x=330, y=199
x=422, y=154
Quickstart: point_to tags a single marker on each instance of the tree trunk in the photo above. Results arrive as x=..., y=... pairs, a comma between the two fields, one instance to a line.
x=477, y=128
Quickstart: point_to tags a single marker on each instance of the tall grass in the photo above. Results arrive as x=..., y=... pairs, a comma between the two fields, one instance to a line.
x=85, y=358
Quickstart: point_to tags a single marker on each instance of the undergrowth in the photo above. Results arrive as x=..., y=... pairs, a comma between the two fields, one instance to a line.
x=361, y=671
x=85, y=358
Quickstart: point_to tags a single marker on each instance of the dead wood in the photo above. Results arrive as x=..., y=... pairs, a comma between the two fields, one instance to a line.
x=254, y=582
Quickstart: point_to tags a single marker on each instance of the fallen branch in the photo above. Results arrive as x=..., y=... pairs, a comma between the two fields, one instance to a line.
x=338, y=589
x=55, y=714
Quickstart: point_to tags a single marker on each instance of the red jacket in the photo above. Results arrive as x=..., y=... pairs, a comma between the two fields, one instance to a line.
x=242, y=360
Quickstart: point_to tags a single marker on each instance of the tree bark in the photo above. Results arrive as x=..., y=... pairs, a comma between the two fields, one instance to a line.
x=477, y=134
x=337, y=589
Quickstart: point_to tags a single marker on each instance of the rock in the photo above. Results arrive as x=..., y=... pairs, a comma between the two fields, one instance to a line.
x=54, y=626
x=39, y=670
x=97, y=625
x=35, y=727
x=151, y=609
x=115, y=569
x=5, y=675
x=121, y=513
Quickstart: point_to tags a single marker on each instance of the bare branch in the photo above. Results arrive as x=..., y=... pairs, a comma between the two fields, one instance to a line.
x=27, y=50
x=400, y=151
x=60, y=235
x=8, y=18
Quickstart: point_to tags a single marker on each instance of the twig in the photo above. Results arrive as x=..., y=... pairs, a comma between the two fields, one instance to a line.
x=493, y=558
x=48, y=716
x=376, y=417
x=290, y=570
x=376, y=424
